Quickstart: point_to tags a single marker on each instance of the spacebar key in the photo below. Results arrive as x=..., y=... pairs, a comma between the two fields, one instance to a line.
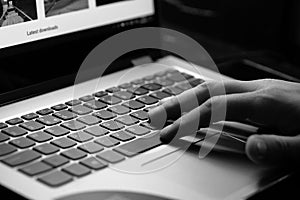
x=21, y=158
x=140, y=145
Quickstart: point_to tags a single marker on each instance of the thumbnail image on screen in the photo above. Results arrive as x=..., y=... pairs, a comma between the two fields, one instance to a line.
x=17, y=11
x=57, y=7
x=103, y=2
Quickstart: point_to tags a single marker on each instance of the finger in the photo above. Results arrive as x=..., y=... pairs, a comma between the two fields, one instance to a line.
x=218, y=108
x=274, y=150
x=185, y=102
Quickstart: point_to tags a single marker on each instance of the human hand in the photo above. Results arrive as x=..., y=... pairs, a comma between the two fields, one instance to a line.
x=271, y=103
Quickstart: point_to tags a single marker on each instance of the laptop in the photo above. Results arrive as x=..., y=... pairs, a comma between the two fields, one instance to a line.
x=91, y=140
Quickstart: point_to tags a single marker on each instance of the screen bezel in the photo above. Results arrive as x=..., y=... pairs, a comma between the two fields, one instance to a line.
x=39, y=48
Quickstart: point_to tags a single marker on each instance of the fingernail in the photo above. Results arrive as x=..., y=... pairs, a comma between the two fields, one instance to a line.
x=261, y=149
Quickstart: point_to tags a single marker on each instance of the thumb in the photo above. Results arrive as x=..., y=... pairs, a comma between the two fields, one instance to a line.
x=273, y=150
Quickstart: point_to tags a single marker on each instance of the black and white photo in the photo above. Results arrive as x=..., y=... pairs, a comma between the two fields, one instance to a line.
x=17, y=11
x=57, y=7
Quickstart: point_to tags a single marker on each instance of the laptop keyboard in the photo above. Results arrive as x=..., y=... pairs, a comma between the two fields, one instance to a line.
x=71, y=140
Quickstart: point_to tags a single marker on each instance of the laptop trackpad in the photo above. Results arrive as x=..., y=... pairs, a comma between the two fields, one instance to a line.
x=112, y=195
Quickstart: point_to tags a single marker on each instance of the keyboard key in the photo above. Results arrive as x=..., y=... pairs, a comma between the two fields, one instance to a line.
x=113, y=89
x=120, y=110
x=80, y=110
x=134, y=105
x=49, y=120
x=95, y=105
x=3, y=125
x=32, y=126
x=46, y=111
x=139, y=145
x=160, y=95
x=194, y=82
x=6, y=149
x=57, y=131
x=74, y=102
x=73, y=125
x=96, y=131
x=173, y=91
x=105, y=115
x=59, y=107
x=124, y=95
x=141, y=115
x=46, y=149
x=152, y=86
x=138, y=130
x=100, y=94
x=89, y=120
x=125, y=85
x=22, y=143
x=137, y=91
x=111, y=100
x=147, y=100
x=56, y=160
x=93, y=163
x=22, y=158
x=91, y=147
x=3, y=137
x=56, y=178
x=30, y=116
x=164, y=82
x=127, y=120
x=148, y=126
x=14, y=131
x=184, y=86
x=15, y=121
x=138, y=82
x=77, y=170
x=87, y=98
x=178, y=77
x=149, y=78
x=187, y=76
x=65, y=115
x=40, y=137
x=161, y=74
x=111, y=156
x=80, y=136
x=172, y=71
x=107, y=141
x=112, y=125
x=63, y=143
x=74, y=154
x=122, y=136
x=36, y=168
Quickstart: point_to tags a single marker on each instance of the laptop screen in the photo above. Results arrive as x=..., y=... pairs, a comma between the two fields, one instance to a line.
x=44, y=42
x=24, y=21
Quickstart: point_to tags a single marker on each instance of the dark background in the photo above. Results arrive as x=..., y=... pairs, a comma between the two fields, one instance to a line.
x=266, y=32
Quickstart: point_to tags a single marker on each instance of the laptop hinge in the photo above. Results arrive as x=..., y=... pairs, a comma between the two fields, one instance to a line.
x=142, y=60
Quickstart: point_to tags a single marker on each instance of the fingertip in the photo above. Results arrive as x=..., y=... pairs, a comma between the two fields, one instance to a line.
x=157, y=117
x=164, y=139
x=166, y=135
x=256, y=149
